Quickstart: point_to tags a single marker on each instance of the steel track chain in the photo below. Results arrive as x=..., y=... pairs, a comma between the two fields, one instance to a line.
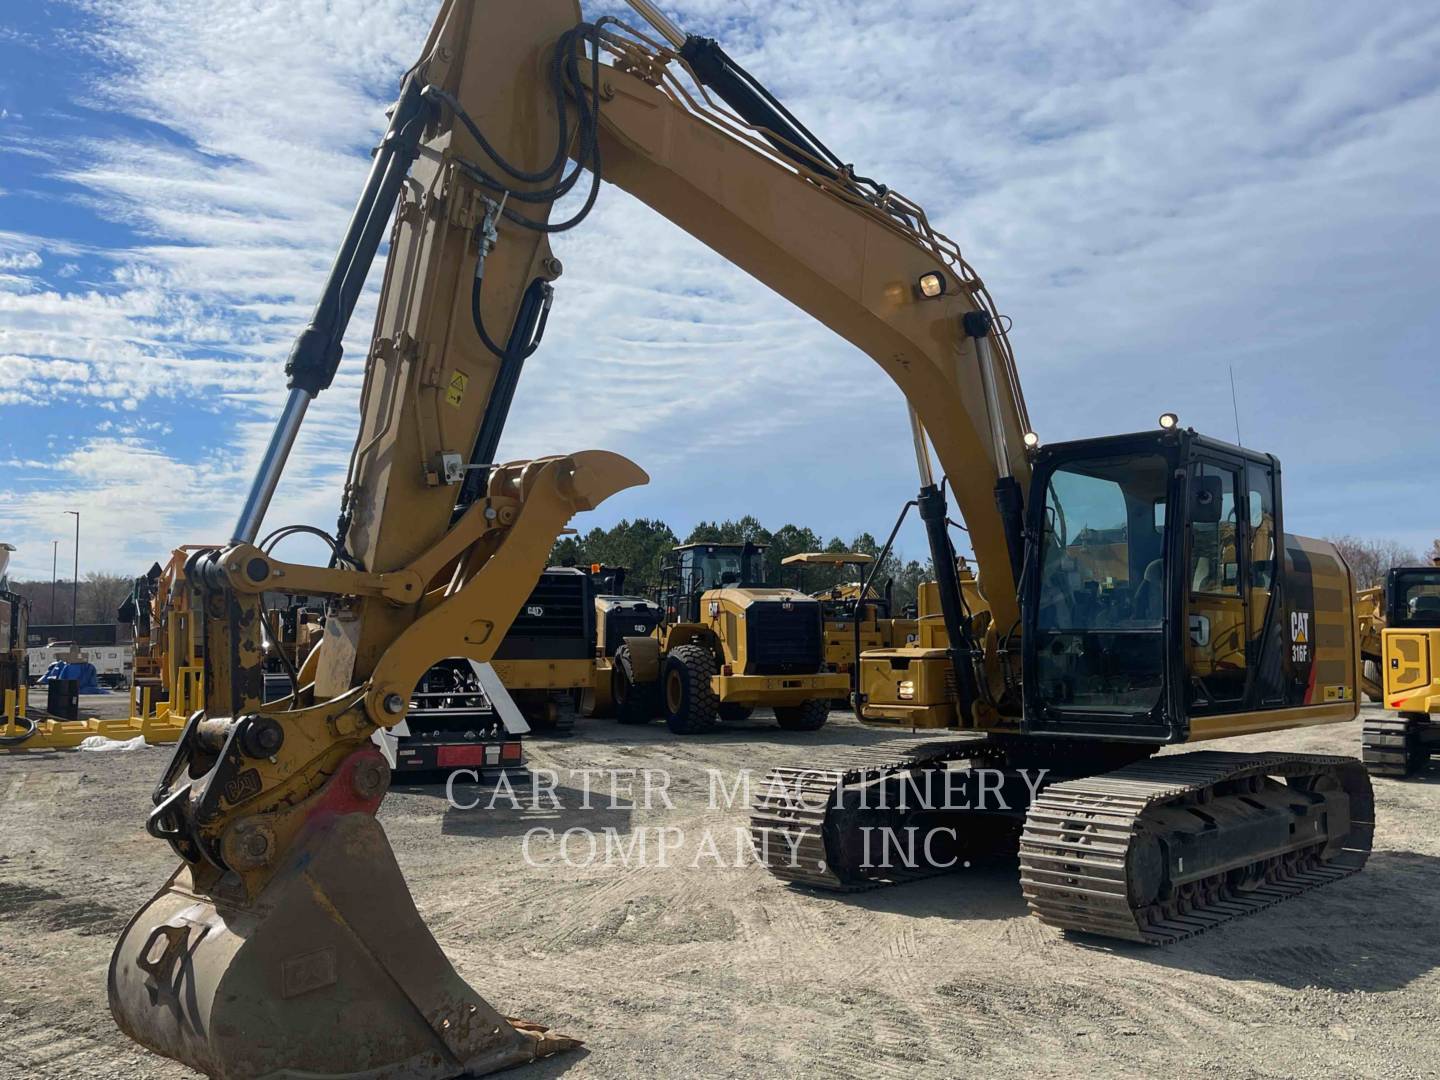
x=1075, y=850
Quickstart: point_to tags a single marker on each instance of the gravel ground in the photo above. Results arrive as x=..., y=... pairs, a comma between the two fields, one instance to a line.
x=710, y=970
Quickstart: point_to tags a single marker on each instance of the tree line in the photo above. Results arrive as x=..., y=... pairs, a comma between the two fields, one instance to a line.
x=94, y=601
x=644, y=544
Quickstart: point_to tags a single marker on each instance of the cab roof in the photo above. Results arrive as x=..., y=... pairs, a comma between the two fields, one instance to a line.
x=728, y=544
x=828, y=558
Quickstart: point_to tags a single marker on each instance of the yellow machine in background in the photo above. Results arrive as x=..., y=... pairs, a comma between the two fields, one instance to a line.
x=727, y=644
x=14, y=657
x=546, y=659
x=618, y=616
x=169, y=657
x=1369, y=629
x=912, y=685
x=842, y=608
x=25, y=729
x=1400, y=744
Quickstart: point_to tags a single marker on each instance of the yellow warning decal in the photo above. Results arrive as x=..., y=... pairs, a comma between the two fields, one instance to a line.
x=455, y=391
x=1337, y=693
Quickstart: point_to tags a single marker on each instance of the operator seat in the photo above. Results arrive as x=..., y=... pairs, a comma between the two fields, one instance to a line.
x=1150, y=593
x=1425, y=607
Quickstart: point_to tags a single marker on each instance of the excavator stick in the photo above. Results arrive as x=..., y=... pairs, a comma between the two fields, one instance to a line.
x=349, y=983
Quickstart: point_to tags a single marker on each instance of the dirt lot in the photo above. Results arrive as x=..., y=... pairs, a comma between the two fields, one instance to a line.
x=722, y=971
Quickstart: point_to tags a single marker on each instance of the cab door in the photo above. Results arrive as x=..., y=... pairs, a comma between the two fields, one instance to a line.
x=1217, y=599
x=1261, y=534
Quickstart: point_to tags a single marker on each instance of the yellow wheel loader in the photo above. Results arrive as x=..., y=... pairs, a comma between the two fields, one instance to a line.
x=1116, y=574
x=1401, y=744
x=727, y=644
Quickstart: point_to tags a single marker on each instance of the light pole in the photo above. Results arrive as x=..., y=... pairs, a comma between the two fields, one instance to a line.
x=54, y=562
x=75, y=586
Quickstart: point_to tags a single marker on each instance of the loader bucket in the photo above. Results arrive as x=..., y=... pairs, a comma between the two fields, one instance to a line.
x=328, y=972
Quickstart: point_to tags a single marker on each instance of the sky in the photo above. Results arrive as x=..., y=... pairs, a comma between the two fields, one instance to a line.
x=1156, y=194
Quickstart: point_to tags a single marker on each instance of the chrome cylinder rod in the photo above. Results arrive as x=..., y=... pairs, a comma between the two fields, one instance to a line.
x=922, y=452
x=989, y=382
x=267, y=476
x=667, y=29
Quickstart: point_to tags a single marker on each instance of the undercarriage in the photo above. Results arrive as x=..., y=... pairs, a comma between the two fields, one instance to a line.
x=1151, y=849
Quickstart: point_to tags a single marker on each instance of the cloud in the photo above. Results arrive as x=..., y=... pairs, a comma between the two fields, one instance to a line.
x=128, y=479
x=1155, y=194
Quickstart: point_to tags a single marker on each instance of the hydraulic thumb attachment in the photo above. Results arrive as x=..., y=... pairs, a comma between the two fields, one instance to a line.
x=287, y=944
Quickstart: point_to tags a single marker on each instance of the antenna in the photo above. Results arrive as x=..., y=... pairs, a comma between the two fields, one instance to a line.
x=1235, y=405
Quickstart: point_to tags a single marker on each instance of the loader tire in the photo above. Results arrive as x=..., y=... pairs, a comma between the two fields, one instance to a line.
x=810, y=716
x=691, y=705
x=730, y=713
x=635, y=703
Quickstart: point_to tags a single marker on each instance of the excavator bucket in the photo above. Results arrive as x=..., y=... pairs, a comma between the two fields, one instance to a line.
x=328, y=972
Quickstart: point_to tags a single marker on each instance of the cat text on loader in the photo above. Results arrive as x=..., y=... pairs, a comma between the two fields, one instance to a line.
x=286, y=942
x=1401, y=742
x=727, y=644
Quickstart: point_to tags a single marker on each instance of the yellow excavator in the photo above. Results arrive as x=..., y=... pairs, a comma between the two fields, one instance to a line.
x=1401, y=741
x=286, y=942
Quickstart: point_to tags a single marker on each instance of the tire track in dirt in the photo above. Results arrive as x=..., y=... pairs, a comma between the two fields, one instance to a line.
x=40, y=1046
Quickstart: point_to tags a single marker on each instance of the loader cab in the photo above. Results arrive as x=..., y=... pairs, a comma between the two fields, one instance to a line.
x=835, y=578
x=1155, y=593
x=1412, y=598
x=608, y=580
x=693, y=569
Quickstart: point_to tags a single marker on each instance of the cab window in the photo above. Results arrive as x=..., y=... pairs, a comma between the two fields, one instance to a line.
x=1219, y=634
x=1214, y=556
x=1417, y=597
x=1102, y=560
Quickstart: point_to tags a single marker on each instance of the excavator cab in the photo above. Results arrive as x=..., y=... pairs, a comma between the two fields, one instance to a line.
x=1158, y=596
x=1401, y=742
